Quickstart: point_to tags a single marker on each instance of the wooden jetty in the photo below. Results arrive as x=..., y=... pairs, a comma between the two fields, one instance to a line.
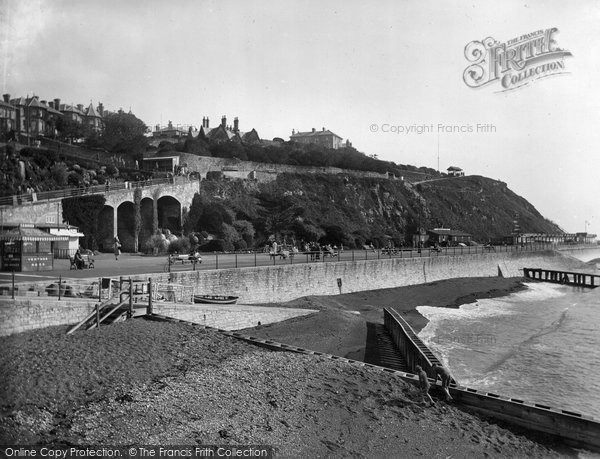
x=563, y=277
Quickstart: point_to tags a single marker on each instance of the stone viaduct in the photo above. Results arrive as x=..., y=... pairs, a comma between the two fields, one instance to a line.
x=166, y=201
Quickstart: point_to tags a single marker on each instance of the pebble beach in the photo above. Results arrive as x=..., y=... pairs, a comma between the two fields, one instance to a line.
x=154, y=383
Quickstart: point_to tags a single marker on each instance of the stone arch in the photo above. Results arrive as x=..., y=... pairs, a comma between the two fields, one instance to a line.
x=106, y=220
x=169, y=214
x=125, y=225
x=147, y=213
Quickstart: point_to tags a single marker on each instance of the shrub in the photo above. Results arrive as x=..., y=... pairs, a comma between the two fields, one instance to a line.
x=181, y=245
x=156, y=241
x=217, y=245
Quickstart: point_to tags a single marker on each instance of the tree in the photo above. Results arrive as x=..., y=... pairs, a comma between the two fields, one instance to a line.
x=122, y=133
x=83, y=212
x=69, y=129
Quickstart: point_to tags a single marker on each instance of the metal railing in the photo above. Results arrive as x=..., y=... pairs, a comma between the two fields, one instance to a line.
x=20, y=199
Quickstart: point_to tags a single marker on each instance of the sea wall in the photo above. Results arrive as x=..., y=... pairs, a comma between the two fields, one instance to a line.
x=20, y=315
x=287, y=282
x=584, y=254
x=267, y=284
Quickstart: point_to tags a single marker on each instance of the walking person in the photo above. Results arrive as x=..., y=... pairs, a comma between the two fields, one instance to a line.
x=117, y=247
x=444, y=375
x=424, y=385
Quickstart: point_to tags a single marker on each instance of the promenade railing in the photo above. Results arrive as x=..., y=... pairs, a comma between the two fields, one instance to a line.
x=158, y=267
x=17, y=200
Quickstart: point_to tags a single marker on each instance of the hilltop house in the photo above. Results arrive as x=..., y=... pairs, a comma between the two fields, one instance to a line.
x=441, y=236
x=224, y=133
x=325, y=138
x=454, y=171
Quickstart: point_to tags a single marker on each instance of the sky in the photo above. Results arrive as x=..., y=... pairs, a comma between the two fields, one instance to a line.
x=366, y=70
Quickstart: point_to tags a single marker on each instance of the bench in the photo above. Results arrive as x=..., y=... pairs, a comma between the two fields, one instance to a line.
x=88, y=262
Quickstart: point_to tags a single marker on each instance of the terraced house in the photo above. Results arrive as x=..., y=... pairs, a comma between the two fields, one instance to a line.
x=31, y=117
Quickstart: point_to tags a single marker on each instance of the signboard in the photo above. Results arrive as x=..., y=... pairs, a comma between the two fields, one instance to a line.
x=11, y=256
x=37, y=262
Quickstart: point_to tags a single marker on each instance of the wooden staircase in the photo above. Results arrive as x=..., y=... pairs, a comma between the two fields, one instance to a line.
x=106, y=313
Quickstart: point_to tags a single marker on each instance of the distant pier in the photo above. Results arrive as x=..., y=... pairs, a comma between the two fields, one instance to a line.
x=563, y=277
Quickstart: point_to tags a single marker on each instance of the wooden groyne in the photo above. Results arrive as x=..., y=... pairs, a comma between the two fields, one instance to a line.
x=574, y=429
x=563, y=277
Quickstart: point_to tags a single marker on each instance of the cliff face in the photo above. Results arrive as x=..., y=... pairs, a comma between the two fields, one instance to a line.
x=354, y=210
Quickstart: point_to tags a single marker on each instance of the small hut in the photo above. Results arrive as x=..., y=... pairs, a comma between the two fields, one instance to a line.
x=28, y=249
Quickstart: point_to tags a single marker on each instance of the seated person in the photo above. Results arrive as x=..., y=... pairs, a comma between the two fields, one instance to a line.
x=78, y=260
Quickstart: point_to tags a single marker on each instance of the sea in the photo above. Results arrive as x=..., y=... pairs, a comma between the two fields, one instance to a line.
x=541, y=344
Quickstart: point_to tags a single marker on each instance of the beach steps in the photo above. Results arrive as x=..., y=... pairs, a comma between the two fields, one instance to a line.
x=105, y=313
x=381, y=349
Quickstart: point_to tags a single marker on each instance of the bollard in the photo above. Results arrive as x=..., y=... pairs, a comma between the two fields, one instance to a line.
x=255, y=258
x=236, y=259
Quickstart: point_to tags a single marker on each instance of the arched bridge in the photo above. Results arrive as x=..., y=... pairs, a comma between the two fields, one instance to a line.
x=162, y=204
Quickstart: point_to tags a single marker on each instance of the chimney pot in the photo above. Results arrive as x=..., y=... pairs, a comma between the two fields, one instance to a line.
x=57, y=104
x=6, y=98
x=313, y=129
x=323, y=129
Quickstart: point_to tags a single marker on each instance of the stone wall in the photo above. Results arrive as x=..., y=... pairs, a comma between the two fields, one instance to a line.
x=267, y=284
x=21, y=315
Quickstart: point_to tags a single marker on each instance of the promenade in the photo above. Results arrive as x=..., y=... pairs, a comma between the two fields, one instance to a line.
x=105, y=264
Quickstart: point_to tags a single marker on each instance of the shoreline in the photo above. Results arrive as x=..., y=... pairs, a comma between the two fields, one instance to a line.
x=340, y=327
x=144, y=382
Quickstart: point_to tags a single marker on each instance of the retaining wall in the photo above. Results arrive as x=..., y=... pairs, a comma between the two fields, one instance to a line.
x=287, y=282
x=267, y=284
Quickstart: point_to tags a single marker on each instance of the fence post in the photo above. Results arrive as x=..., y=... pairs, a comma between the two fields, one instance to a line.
x=99, y=289
x=149, y=311
x=255, y=258
x=216, y=260
x=13, y=284
x=121, y=288
x=236, y=259
x=59, y=286
x=130, y=312
x=98, y=315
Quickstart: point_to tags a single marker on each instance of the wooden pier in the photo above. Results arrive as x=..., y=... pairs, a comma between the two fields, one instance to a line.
x=563, y=277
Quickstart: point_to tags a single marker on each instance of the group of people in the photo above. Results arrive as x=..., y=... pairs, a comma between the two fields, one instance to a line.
x=424, y=384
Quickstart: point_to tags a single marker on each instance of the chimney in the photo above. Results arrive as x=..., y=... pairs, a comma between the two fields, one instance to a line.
x=51, y=104
x=43, y=102
x=204, y=121
x=224, y=121
x=6, y=98
x=80, y=107
x=57, y=104
x=313, y=129
x=157, y=127
x=236, y=125
x=101, y=108
x=207, y=125
x=323, y=129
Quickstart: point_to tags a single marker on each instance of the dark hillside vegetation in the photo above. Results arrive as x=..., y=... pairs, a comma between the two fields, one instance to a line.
x=354, y=211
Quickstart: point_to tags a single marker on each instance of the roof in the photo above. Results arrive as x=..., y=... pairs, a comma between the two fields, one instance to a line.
x=454, y=168
x=66, y=232
x=91, y=112
x=29, y=234
x=4, y=104
x=315, y=133
x=70, y=108
x=448, y=232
